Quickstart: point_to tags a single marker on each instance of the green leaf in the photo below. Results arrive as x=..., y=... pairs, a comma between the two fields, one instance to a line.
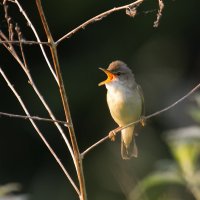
x=195, y=113
x=155, y=180
x=184, y=144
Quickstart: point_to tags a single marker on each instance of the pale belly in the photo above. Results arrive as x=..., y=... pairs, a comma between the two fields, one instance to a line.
x=125, y=105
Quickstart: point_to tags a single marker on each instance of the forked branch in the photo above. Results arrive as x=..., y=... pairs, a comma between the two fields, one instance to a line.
x=24, y=66
x=8, y=43
x=36, y=35
x=53, y=48
x=11, y=115
x=10, y=85
x=130, y=10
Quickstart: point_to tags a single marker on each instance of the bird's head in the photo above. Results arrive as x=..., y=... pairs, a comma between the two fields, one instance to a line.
x=118, y=72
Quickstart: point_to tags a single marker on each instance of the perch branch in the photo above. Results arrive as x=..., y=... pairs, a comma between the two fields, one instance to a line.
x=130, y=7
x=38, y=131
x=118, y=129
x=78, y=160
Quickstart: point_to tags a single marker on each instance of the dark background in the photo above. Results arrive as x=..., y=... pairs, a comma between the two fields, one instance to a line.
x=165, y=61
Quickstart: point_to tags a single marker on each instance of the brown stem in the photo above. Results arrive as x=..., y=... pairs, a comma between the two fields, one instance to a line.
x=32, y=117
x=78, y=159
x=38, y=130
x=29, y=42
x=159, y=14
x=100, y=17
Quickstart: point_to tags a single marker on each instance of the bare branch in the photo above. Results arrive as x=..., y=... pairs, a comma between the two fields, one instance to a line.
x=24, y=66
x=93, y=146
x=118, y=129
x=19, y=34
x=130, y=8
x=29, y=42
x=11, y=49
x=8, y=20
x=78, y=160
x=159, y=14
x=38, y=130
x=36, y=35
x=32, y=117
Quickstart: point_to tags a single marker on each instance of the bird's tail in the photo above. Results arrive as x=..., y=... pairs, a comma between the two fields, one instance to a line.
x=128, y=145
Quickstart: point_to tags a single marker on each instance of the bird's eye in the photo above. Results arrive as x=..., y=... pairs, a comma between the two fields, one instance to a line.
x=118, y=73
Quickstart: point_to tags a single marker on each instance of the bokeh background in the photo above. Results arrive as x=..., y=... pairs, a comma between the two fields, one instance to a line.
x=165, y=61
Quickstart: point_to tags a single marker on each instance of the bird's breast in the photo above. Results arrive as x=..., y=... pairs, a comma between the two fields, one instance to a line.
x=125, y=104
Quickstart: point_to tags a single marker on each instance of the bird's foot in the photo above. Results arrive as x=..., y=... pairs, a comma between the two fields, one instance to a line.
x=143, y=120
x=112, y=135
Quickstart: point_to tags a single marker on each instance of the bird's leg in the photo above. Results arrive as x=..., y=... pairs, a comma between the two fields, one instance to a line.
x=143, y=120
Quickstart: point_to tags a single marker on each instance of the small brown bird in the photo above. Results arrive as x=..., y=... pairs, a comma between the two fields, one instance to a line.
x=126, y=103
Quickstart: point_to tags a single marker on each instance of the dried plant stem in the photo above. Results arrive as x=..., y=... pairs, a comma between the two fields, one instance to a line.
x=11, y=49
x=29, y=42
x=32, y=117
x=118, y=129
x=24, y=66
x=38, y=131
x=78, y=160
x=98, y=18
x=36, y=35
x=159, y=14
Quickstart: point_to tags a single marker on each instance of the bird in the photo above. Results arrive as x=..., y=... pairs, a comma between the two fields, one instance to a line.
x=125, y=101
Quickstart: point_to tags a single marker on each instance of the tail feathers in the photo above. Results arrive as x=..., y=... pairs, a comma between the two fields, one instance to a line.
x=130, y=151
x=128, y=145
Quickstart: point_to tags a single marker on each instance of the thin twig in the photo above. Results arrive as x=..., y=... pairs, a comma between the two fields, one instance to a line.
x=29, y=42
x=38, y=131
x=19, y=34
x=30, y=24
x=78, y=160
x=32, y=117
x=118, y=129
x=159, y=14
x=11, y=49
x=8, y=20
x=99, y=17
x=94, y=145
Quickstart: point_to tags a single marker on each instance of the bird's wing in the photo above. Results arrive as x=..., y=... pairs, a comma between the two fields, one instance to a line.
x=140, y=91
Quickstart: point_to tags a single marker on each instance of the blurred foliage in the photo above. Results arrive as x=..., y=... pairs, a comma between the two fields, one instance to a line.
x=194, y=110
x=9, y=188
x=166, y=64
x=184, y=170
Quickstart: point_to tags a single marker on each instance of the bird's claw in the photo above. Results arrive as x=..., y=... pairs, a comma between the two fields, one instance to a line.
x=143, y=120
x=112, y=135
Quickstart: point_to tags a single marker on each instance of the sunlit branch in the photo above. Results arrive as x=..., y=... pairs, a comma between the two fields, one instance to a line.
x=38, y=130
x=63, y=95
x=11, y=115
x=159, y=14
x=30, y=24
x=130, y=8
x=11, y=49
x=29, y=42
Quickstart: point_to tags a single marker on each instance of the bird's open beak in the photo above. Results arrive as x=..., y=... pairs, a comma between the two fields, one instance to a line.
x=109, y=78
